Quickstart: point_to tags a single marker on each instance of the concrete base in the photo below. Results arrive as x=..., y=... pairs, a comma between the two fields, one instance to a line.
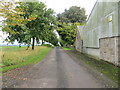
x=119, y=51
x=92, y=51
x=109, y=50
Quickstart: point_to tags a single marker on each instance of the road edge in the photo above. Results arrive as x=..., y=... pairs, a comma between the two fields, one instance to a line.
x=104, y=80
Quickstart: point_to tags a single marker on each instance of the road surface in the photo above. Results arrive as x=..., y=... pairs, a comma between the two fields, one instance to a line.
x=57, y=70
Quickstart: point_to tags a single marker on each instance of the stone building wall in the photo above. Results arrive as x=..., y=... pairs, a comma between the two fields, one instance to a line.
x=101, y=33
x=109, y=49
x=79, y=42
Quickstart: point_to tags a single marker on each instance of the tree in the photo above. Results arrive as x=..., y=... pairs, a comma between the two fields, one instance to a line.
x=67, y=24
x=67, y=31
x=72, y=15
x=34, y=26
x=43, y=25
x=35, y=21
x=47, y=25
x=14, y=22
x=13, y=16
x=53, y=38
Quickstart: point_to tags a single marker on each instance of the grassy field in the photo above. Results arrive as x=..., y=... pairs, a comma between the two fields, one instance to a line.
x=13, y=56
x=102, y=66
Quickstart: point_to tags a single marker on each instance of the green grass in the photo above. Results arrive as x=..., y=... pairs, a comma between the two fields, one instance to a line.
x=102, y=66
x=64, y=48
x=13, y=57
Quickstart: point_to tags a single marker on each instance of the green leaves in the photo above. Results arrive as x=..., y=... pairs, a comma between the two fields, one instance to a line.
x=72, y=15
x=68, y=22
x=67, y=31
x=28, y=20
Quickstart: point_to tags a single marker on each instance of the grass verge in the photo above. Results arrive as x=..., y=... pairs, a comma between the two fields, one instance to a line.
x=14, y=57
x=103, y=67
x=64, y=48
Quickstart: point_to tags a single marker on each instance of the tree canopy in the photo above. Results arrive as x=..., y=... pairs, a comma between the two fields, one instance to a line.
x=72, y=15
x=67, y=31
x=68, y=22
x=28, y=20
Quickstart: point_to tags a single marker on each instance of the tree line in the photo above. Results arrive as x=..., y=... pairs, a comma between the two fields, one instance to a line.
x=28, y=22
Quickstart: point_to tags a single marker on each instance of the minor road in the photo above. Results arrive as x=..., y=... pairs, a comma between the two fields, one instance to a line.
x=57, y=70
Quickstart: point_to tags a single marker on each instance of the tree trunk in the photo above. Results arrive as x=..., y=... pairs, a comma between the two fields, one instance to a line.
x=28, y=47
x=33, y=43
x=19, y=45
x=42, y=42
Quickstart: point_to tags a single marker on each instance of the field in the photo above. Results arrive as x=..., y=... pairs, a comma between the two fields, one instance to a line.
x=13, y=56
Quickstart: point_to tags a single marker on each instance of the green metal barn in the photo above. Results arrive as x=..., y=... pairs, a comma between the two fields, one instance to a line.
x=100, y=36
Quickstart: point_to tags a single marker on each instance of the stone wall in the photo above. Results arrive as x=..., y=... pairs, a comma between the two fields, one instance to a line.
x=78, y=43
x=109, y=49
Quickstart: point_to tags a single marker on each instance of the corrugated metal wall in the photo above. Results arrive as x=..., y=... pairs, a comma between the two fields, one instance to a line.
x=102, y=23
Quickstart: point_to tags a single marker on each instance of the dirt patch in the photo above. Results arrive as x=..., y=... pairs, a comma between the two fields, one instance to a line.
x=11, y=77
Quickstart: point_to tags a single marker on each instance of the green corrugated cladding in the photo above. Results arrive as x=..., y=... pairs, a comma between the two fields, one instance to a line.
x=97, y=26
x=119, y=18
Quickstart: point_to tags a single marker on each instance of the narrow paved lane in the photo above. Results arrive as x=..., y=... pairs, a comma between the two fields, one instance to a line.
x=58, y=70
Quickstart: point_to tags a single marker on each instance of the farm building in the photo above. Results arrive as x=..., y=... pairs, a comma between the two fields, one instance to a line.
x=100, y=36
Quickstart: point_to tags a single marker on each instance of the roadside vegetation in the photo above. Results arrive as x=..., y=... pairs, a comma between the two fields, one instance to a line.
x=13, y=56
x=103, y=67
x=65, y=48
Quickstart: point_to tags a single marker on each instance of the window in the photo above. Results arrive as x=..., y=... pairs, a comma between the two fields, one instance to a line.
x=110, y=25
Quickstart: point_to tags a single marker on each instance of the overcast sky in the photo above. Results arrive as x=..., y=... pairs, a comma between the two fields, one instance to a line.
x=60, y=5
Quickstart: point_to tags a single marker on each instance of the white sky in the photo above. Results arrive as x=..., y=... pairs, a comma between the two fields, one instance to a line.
x=60, y=5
